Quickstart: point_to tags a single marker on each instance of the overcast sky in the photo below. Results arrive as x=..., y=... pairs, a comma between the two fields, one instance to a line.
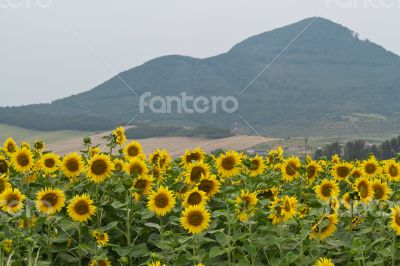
x=50, y=49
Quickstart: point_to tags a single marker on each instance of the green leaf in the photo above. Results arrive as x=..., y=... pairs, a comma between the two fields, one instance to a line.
x=215, y=252
x=153, y=225
x=109, y=226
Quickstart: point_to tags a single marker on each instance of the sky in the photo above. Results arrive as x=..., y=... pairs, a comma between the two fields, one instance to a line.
x=50, y=49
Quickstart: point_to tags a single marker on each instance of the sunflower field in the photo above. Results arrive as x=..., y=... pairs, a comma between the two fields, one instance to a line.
x=120, y=206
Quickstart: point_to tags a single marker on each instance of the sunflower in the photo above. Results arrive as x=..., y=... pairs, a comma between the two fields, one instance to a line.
x=370, y=167
x=195, y=219
x=100, y=262
x=334, y=205
x=10, y=146
x=81, y=208
x=25, y=144
x=72, y=165
x=347, y=200
x=335, y=159
x=275, y=211
x=246, y=203
x=195, y=171
x=50, y=201
x=312, y=169
x=4, y=168
x=364, y=188
x=290, y=168
x=22, y=160
x=356, y=172
x=256, y=166
x=157, y=173
x=395, y=219
x=39, y=145
x=93, y=151
x=133, y=150
x=6, y=245
x=99, y=168
x=160, y=158
x=119, y=165
x=392, y=170
x=341, y=171
x=194, y=197
x=324, y=262
x=381, y=190
x=327, y=190
x=288, y=207
x=142, y=186
x=161, y=201
x=136, y=167
x=191, y=156
x=228, y=164
x=268, y=193
x=101, y=238
x=11, y=200
x=4, y=183
x=325, y=227
x=49, y=163
x=275, y=156
x=155, y=263
x=210, y=185
x=304, y=210
x=27, y=222
x=119, y=135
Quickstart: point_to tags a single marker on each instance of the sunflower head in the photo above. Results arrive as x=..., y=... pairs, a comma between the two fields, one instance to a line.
x=99, y=168
x=93, y=151
x=364, y=188
x=119, y=165
x=49, y=163
x=161, y=201
x=290, y=168
x=39, y=145
x=100, y=262
x=341, y=170
x=255, y=166
x=268, y=193
x=327, y=190
x=22, y=160
x=324, y=227
x=312, y=170
x=191, y=156
x=132, y=150
x=11, y=200
x=381, y=190
x=195, y=219
x=81, y=208
x=10, y=146
x=228, y=164
x=392, y=170
x=194, y=197
x=395, y=219
x=136, y=167
x=50, y=201
x=160, y=158
x=210, y=185
x=72, y=165
x=4, y=183
x=195, y=171
x=142, y=186
x=370, y=167
x=102, y=238
x=288, y=207
x=324, y=262
x=119, y=135
x=4, y=166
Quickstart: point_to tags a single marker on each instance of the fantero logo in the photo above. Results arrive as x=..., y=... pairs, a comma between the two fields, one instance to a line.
x=184, y=103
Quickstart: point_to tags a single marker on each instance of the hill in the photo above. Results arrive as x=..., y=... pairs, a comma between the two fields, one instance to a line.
x=328, y=82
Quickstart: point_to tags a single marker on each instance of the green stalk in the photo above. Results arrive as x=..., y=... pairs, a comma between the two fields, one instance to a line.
x=1, y=256
x=128, y=222
x=49, y=254
x=394, y=249
x=79, y=242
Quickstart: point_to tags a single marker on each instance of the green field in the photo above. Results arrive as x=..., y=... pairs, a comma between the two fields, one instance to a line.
x=21, y=134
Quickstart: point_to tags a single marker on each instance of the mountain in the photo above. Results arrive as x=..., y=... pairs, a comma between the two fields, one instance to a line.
x=327, y=82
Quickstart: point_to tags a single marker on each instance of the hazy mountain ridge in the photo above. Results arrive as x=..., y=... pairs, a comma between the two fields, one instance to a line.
x=319, y=84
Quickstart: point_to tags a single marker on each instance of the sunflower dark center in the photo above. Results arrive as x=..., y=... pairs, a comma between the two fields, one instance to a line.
x=370, y=168
x=206, y=186
x=161, y=201
x=2, y=185
x=254, y=165
x=291, y=169
x=72, y=165
x=102, y=263
x=195, y=218
x=49, y=162
x=23, y=160
x=311, y=171
x=133, y=151
x=3, y=167
x=228, y=163
x=136, y=169
x=393, y=170
x=12, y=200
x=342, y=171
x=81, y=207
x=50, y=199
x=140, y=184
x=378, y=192
x=196, y=173
x=99, y=167
x=397, y=218
x=287, y=206
x=363, y=189
x=268, y=194
x=192, y=157
x=326, y=190
x=194, y=198
x=11, y=147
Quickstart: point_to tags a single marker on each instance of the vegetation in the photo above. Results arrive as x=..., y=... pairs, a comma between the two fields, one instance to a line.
x=102, y=208
x=328, y=82
x=358, y=149
x=142, y=132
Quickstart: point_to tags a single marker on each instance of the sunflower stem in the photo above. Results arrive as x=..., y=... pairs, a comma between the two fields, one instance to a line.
x=49, y=253
x=79, y=242
x=1, y=257
x=128, y=222
x=394, y=249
